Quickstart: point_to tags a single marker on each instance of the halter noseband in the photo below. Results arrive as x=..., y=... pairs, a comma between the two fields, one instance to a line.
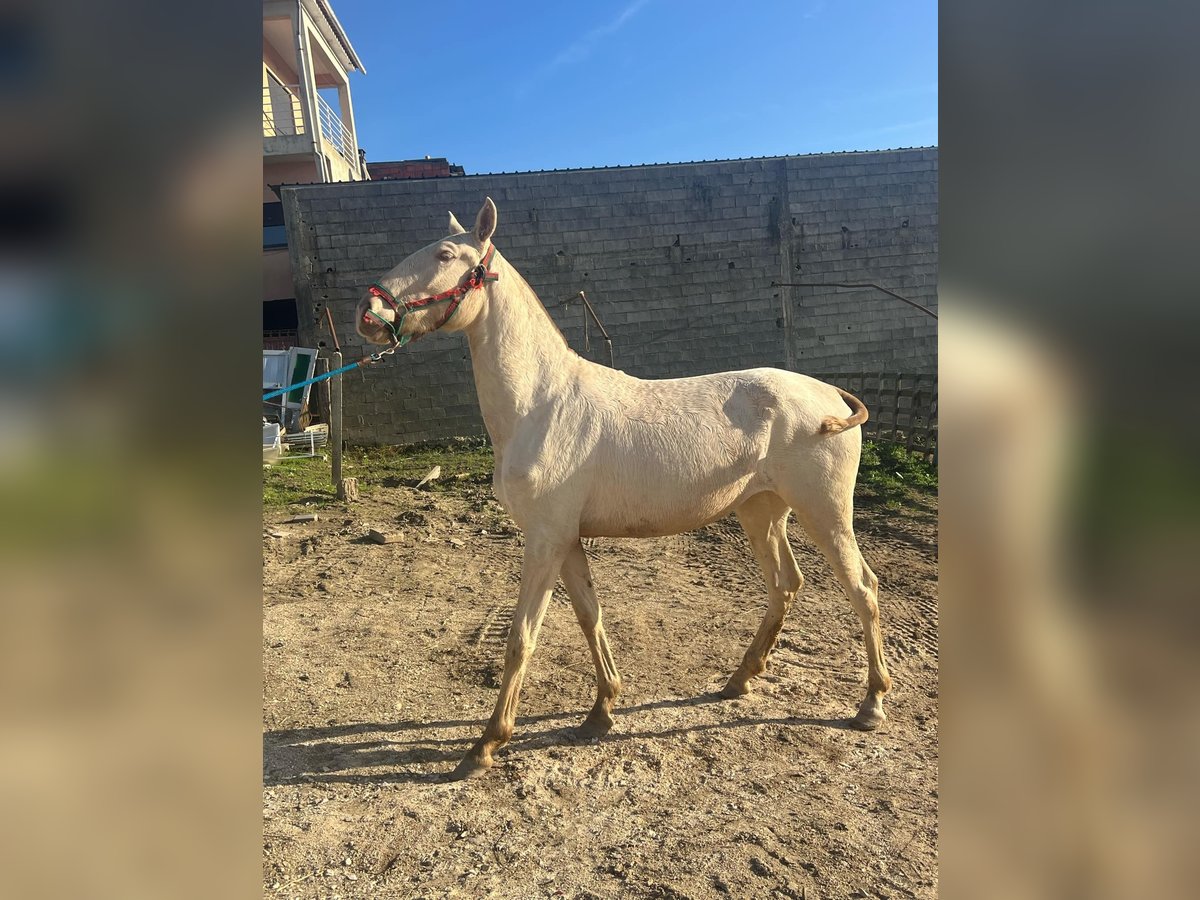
x=476, y=278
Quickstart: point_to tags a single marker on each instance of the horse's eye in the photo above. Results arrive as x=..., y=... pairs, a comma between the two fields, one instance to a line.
x=446, y=255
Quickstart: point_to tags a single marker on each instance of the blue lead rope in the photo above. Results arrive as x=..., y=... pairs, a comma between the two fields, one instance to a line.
x=300, y=384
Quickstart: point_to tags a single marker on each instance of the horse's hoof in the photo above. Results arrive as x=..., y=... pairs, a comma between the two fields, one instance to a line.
x=868, y=719
x=733, y=689
x=470, y=767
x=594, y=727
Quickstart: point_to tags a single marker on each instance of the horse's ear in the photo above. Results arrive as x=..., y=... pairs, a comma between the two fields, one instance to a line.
x=485, y=222
x=456, y=228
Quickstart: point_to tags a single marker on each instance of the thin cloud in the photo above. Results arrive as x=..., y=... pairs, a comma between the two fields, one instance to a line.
x=889, y=129
x=885, y=95
x=579, y=50
x=905, y=126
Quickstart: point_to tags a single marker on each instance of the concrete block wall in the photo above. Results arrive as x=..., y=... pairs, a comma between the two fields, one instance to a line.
x=681, y=263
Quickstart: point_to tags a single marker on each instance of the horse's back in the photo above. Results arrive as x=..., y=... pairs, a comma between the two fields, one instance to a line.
x=669, y=455
x=745, y=401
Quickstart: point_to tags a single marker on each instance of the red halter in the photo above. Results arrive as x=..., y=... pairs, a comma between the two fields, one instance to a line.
x=476, y=278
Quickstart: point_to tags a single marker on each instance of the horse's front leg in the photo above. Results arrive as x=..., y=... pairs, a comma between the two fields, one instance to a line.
x=577, y=577
x=539, y=571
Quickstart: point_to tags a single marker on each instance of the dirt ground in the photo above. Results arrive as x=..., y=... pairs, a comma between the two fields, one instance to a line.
x=381, y=664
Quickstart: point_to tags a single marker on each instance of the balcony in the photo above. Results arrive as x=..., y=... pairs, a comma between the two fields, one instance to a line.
x=284, y=128
x=283, y=121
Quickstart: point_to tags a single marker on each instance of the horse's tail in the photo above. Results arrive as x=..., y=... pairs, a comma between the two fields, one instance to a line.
x=834, y=424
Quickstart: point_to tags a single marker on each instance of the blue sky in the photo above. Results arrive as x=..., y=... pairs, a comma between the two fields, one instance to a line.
x=511, y=86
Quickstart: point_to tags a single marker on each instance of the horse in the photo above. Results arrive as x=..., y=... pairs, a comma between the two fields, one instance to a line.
x=583, y=450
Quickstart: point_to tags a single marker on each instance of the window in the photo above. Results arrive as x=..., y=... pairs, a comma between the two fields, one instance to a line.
x=280, y=315
x=274, y=234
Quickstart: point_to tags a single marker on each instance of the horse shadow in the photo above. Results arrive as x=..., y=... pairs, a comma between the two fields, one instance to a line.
x=324, y=755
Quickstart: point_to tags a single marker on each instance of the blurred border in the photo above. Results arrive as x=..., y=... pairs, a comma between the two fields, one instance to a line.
x=129, y=512
x=1068, y=440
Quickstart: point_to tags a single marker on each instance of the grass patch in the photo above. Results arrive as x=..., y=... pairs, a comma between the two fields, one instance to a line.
x=888, y=475
x=895, y=477
x=294, y=481
x=466, y=463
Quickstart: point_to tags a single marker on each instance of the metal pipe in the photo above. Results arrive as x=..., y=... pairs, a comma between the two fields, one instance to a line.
x=308, y=89
x=865, y=284
x=595, y=318
x=332, y=332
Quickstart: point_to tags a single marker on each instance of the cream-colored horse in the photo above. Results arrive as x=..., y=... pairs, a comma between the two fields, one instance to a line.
x=584, y=451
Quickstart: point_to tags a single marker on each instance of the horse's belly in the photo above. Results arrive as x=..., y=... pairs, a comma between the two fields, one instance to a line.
x=654, y=514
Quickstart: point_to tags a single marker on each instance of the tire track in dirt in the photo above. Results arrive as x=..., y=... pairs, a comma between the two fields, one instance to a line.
x=494, y=627
x=928, y=632
x=908, y=604
x=907, y=544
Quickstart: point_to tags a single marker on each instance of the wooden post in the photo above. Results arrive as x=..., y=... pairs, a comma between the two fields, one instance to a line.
x=913, y=414
x=335, y=425
x=896, y=411
x=321, y=390
x=931, y=418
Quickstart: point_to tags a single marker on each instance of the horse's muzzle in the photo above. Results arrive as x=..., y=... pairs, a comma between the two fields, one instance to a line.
x=366, y=323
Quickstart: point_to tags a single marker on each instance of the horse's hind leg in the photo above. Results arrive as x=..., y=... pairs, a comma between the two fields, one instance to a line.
x=577, y=577
x=764, y=519
x=831, y=530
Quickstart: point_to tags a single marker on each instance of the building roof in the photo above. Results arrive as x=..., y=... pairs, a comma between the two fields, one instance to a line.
x=370, y=165
x=322, y=14
x=397, y=170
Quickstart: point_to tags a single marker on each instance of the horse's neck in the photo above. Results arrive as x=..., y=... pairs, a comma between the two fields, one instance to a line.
x=519, y=357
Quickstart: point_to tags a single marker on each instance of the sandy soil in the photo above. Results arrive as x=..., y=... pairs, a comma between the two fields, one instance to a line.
x=381, y=664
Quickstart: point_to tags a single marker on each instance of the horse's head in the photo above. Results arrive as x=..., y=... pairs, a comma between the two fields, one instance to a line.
x=434, y=288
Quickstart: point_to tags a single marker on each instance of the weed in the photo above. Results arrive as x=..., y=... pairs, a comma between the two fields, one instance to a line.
x=894, y=477
x=466, y=463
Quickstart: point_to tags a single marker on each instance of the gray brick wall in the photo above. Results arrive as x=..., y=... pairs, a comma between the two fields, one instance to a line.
x=679, y=262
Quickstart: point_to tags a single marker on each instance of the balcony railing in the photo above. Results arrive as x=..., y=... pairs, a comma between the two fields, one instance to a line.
x=283, y=115
x=282, y=111
x=334, y=131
